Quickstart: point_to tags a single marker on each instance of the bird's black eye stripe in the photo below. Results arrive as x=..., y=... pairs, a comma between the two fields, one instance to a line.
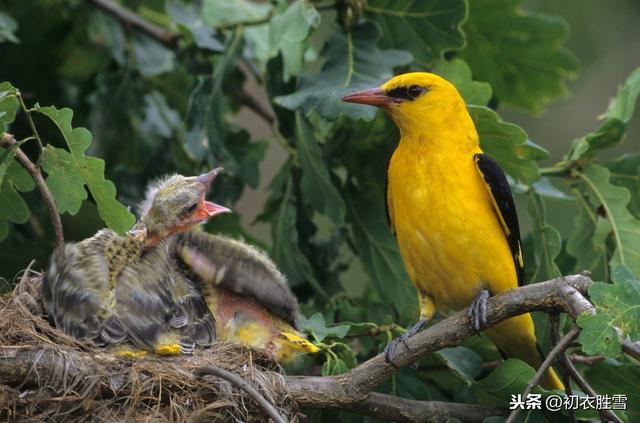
x=409, y=93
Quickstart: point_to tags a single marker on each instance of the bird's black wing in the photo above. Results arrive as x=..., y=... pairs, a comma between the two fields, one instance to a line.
x=223, y=263
x=498, y=186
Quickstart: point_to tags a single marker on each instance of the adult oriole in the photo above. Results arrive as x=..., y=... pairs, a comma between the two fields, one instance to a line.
x=452, y=211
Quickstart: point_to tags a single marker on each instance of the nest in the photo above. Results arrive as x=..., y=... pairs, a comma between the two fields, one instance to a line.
x=46, y=375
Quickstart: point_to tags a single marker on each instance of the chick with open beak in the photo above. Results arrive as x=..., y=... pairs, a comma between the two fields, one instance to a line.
x=126, y=292
x=175, y=204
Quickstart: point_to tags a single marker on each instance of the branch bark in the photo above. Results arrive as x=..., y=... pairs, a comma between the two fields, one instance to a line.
x=561, y=294
x=6, y=141
x=131, y=20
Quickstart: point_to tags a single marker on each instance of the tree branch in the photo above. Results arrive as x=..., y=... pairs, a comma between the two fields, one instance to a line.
x=605, y=415
x=551, y=357
x=131, y=20
x=240, y=383
x=388, y=407
x=6, y=141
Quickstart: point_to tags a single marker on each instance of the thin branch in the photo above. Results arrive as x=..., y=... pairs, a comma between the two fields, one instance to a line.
x=251, y=103
x=389, y=407
x=240, y=383
x=554, y=320
x=32, y=125
x=131, y=20
x=6, y=141
x=586, y=359
x=631, y=348
x=605, y=415
x=551, y=357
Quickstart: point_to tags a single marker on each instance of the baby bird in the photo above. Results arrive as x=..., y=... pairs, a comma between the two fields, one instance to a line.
x=116, y=289
x=247, y=295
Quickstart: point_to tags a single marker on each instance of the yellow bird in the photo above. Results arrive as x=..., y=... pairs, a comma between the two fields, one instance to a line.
x=248, y=297
x=451, y=209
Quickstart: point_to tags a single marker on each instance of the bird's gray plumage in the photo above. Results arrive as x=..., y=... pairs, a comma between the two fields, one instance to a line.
x=114, y=289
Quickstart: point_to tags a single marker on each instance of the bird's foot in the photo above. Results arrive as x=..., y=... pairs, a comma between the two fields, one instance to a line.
x=478, y=311
x=389, y=351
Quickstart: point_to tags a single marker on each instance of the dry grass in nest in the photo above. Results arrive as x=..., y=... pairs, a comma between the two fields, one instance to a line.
x=75, y=381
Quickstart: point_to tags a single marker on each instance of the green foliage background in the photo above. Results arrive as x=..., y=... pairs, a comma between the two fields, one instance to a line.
x=153, y=108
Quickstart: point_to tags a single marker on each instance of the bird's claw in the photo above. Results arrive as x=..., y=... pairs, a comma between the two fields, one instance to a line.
x=389, y=351
x=478, y=311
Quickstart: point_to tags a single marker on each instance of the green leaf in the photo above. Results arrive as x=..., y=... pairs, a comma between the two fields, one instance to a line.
x=106, y=31
x=316, y=182
x=624, y=103
x=8, y=27
x=427, y=28
x=69, y=171
x=151, y=57
x=617, y=116
x=188, y=20
x=520, y=53
x=587, y=241
x=508, y=144
x=8, y=105
x=333, y=366
x=160, y=120
x=286, y=253
x=12, y=206
x=459, y=74
x=289, y=30
x=378, y=250
x=316, y=326
x=6, y=158
x=232, y=12
x=612, y=378
x=353, y=62
x=466, y=364
x=546, y=240
x=206, y=110
x=613, y=200
x=617, y=306
x=508, y=378
x=625, y=172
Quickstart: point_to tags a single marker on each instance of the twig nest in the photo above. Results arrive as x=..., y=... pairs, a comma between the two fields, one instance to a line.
x=74, y=381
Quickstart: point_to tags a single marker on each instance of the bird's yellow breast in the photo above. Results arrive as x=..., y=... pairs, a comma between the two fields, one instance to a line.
x=448, y=233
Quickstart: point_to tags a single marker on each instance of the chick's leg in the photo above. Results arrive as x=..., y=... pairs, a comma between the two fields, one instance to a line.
x=427, y=311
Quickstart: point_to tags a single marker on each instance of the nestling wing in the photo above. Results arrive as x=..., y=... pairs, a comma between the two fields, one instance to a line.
x=157, y=305
x=220, y=262
x=498, y=187
x=75, y=288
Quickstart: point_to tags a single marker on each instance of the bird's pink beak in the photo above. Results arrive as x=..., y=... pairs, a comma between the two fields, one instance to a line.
x=208, y=209
x=372, y=97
